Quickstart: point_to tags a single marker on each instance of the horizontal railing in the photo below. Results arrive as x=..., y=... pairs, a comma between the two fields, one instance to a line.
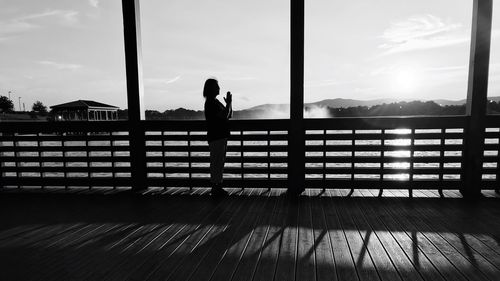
x=177, y=153
x=413, y=152
x=491, y=160
x=385, y=152
x=65, y=154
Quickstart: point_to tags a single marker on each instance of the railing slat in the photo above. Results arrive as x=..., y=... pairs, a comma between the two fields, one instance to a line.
x=256, y=153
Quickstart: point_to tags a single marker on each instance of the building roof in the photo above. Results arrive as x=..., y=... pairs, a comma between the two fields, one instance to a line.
x=83, y=104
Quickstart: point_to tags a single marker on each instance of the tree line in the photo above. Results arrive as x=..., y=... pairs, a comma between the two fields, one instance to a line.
x=7, y=106
x=387, y=109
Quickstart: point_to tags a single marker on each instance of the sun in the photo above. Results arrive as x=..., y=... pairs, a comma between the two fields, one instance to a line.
x=405, y=80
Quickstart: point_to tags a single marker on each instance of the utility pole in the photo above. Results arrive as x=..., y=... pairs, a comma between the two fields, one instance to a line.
x=9, y=95
x=24, y=107
x=19, y=103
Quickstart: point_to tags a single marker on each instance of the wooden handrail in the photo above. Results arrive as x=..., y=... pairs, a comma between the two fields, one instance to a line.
x=98, y=153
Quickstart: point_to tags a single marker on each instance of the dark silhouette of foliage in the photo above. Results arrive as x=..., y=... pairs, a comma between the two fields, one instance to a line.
x=122, y=114
x=413, y=108
x=6, y=105
x=39, y=107
x=176, y=114
x=398, y=109
x=493, y=107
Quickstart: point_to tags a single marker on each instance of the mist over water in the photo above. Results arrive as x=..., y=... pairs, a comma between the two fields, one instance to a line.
x=279, y=112
x=316, y=112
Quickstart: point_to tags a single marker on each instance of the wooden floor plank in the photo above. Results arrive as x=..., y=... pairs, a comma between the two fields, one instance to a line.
x=430, y=246
x=474, y=212
x=241, y=226
x=159, y=250
x=356, y=239
x=52, y=266
x=224, y=224
x=126, y=258
x=121, y=258
x=86, y=255
x=169, y=243
x=383, y=263
x=457, y=239
x=418, y=259
x=249, y=260
x=24, y=255
x=6, y=235
x=454, y=255
x=268, y=261
x=191, y=241
x=306, y=259
x=483, y=244
x=325, y=262
x=183, y=234
x=344, y=261
x=230, y=259
x=43, y=236
x=285, y=268
x=422, y=250
x=396, y=254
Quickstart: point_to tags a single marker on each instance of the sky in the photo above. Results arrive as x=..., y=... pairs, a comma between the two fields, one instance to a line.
x=58, y=51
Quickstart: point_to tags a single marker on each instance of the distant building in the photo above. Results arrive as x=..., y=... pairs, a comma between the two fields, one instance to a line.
x=84, y=110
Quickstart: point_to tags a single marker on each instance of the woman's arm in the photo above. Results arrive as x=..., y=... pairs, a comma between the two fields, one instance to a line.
x=229, y=105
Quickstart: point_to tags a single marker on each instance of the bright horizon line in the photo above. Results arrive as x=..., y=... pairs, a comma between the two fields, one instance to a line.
x=361, y=100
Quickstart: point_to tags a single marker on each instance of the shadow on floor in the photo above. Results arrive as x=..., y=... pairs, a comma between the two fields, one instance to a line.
x=252, y=234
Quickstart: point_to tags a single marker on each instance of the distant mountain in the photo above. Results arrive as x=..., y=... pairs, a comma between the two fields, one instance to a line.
x=444, y=102
x=339, y=102
x=270, y=106
x=450, y=102
x=324, y=108
x=495, y=99
x=333, y=103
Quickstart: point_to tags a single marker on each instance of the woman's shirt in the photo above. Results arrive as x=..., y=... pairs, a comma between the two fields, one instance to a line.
x=216, y=116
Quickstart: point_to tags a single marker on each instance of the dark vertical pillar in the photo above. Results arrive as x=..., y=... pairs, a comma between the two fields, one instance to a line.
x=296, y=133
x=135, y=92
x=477, y=97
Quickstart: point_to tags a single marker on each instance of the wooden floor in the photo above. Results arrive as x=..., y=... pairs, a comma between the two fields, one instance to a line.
x=254, y=234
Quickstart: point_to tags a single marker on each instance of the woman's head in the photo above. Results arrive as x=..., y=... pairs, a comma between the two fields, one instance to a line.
x=211, y=88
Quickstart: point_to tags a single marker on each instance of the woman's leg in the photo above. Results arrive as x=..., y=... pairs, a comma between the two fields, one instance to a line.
x=217, y=158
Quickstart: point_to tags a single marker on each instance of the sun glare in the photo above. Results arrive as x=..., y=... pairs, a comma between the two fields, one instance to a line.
x=405, y=80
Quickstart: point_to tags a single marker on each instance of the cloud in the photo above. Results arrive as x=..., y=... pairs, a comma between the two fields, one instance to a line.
x=34, y=21
x=65, y=16
x=173, y=80
x=94, y=3
x=422, y=32
x=324, y=83
x=391, y=70
x=162, y=81
x=61, y=66
x=15, y=27
x=447, y=68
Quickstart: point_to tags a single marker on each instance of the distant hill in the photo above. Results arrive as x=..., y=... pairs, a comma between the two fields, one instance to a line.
x=340, y=102
x=325, y=108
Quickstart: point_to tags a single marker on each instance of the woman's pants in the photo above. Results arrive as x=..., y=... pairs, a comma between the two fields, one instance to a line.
x=217, y=158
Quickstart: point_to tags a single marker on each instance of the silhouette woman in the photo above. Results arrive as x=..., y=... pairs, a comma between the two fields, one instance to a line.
x=217, y=116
